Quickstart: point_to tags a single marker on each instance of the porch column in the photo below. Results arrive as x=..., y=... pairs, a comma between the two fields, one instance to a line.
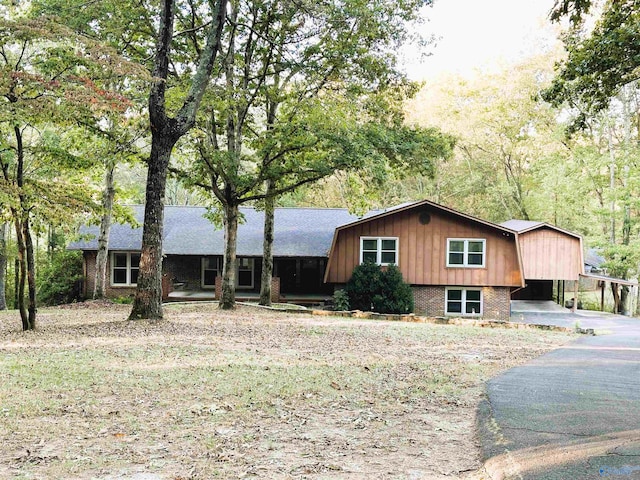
x=275, y=289
x=218, y=287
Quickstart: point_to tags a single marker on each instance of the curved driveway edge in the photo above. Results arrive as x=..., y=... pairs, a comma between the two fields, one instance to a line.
x=573, y=413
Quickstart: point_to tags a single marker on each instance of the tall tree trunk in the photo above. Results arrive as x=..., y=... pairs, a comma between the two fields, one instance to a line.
x=228, y=300
x=31, y=270
x=165, y=132
x=103, y=238
x=21, y=272
x=148, y=300
x=3, y=266
x=267, y=246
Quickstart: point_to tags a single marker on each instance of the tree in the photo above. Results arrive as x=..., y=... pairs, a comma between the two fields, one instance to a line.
x=45, y=75
x=3, y=265
x=165, y=132
x=598, y=63
x=305, y=92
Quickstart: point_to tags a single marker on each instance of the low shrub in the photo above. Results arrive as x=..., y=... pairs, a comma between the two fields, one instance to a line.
x=371, y=288
x=341, y=301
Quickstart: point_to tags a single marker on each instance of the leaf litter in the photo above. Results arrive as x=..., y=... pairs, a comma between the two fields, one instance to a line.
x=244, y=394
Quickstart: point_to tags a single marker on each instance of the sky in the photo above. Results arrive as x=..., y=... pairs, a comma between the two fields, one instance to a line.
x=481, y=35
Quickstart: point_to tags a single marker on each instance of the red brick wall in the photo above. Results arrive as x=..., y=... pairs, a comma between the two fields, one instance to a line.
x=429, y=300
x=90, y=280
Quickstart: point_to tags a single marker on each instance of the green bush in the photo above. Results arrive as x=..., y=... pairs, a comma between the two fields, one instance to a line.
x=363, y=285
x=373, y=289
x=395, y=295
x=60, y=281
x=340, y=301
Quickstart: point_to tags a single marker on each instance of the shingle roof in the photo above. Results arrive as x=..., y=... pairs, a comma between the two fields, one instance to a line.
x=520, y=225
x=299, y=232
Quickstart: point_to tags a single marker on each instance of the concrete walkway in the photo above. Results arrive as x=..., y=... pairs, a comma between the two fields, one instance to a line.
x=573, y=413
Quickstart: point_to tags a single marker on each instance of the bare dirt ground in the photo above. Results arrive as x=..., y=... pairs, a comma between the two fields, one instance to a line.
x=244, y=394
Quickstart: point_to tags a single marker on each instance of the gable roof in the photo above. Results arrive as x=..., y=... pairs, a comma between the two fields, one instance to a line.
x=411, y=205
x=523, y=226
x=299, y=232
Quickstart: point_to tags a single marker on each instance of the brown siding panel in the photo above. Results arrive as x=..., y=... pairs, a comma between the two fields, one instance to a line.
x=422, y=250
x=548, y=254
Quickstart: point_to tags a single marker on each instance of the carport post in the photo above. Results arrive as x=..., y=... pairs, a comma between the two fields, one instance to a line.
x=575, y=296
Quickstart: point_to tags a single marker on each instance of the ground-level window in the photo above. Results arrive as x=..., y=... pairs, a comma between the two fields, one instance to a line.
x=211, y=268
x=380, y=250
x=463, y=301
x=244, y=274
x=124, y=268
x=466, y=252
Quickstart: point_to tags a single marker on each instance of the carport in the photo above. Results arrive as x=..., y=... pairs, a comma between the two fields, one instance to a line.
x=549, y=255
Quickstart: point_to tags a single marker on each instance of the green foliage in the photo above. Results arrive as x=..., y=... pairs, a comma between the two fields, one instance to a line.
x=341, y=301
x=371, y=288
x=599, y=64
x=59, y=281
x=363, y=285
x=395, y=296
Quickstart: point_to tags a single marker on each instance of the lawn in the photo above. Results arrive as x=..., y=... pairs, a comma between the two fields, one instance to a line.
x=244, y=394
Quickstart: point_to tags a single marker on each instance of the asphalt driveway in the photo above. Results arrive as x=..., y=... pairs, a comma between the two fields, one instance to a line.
x=573, y=413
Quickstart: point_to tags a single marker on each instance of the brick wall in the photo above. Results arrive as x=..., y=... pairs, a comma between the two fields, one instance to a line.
x=90, y=280
x=497, y=303
x=429, y=300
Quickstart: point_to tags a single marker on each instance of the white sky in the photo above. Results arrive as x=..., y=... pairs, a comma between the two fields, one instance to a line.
x=481, y=35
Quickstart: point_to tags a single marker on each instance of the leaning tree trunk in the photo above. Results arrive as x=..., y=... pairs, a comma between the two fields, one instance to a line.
x=3, y=266
x=31, y=271
x=267, y=247
x=148, y=300
x=228, y=298
x=103, y=238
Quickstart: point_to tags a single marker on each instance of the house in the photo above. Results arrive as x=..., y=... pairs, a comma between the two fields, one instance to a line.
x=193, y=249
x=457, y=264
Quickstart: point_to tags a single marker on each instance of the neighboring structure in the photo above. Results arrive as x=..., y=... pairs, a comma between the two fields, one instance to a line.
x=456, y=264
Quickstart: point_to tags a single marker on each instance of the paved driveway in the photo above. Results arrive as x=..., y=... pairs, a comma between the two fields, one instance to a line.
x=573, y=413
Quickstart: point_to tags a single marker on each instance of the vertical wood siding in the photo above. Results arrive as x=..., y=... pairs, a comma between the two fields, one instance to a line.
x=550, y=255
x=422, y=249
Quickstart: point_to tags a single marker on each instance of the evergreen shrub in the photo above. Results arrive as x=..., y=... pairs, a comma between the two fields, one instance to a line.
x=371, y=288
x=59, y=282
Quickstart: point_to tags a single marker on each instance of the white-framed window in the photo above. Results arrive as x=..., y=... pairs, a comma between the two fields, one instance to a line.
x=463, y=301
x=244, y=273
x=124, y=268
x=380, y=250
x=211, y=268
x=466, y=252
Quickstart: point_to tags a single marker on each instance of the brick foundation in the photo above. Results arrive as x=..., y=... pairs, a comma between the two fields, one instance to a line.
x=430, y=300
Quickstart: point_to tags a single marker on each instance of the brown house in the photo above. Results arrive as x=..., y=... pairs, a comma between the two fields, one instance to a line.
x=456, y=264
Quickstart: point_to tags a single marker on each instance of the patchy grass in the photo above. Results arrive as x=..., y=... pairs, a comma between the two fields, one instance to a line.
x=245, y=394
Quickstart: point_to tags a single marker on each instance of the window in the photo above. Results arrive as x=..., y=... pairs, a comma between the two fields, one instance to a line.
x=463, y=301
x=211, y=268
x=465, y=252
x=124, y=268
x=244, y=274
x=380, y=250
